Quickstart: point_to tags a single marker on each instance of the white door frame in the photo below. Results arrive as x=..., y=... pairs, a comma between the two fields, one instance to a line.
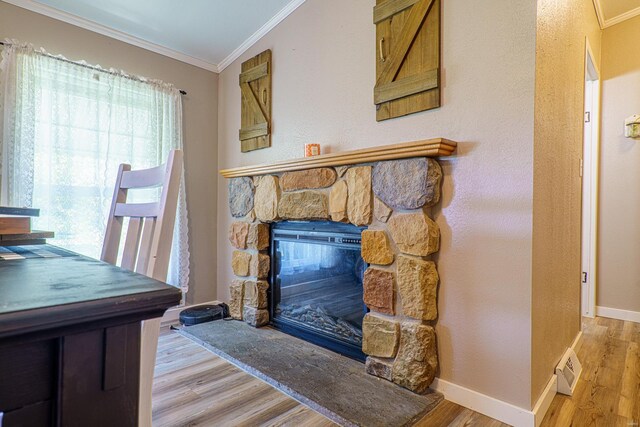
x=590, y=174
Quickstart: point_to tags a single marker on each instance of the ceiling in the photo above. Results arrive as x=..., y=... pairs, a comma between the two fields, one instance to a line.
x=611, y=12
x=210, y=34
x=207, y=33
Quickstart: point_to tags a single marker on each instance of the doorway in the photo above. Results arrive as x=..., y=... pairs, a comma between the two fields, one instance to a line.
x=590, y=172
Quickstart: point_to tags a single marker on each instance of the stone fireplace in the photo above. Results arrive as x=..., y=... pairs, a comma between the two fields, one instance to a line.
x=384, y=193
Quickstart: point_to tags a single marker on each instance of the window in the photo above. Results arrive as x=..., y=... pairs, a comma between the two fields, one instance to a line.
x=67, y=127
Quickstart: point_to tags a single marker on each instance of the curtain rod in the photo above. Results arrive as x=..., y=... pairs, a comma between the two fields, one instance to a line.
x=90, y=67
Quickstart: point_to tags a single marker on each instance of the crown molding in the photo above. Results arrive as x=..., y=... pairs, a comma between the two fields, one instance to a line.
x=69, y=18
x=606, y=23
x=262, y=31
x=599, y=13
x=623, y=17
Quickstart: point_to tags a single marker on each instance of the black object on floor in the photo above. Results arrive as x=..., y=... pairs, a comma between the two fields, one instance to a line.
x=203, y=313
x=332, y=384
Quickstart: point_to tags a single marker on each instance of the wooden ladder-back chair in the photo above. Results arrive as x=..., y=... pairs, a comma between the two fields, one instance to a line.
x=147, y=247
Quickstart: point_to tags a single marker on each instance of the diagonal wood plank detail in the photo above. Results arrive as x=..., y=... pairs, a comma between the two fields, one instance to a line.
x=405, y=86
x=252, y=101
x=417, y=15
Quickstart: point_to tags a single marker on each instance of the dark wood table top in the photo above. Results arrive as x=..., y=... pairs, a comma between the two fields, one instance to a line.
x=34, y=237
x=45, y=293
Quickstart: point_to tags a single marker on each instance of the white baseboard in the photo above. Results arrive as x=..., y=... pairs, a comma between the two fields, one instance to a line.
x=577, y=342
x=486, y=405
x=550, y=391
x=544, y=402
x=616, y=313
x=172, y=315
x=498, y=409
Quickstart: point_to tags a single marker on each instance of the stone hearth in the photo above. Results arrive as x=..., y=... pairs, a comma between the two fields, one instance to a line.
x=392, y=198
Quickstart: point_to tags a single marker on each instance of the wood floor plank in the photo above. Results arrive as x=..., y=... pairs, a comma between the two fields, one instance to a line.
x=443, y=415
x=263, y=401
x=193, y=387
x=299, y=417
x=227, y=410
x=453, y=415
x=261, y=417
x=630, y=387
x=209, y=386
x=241, y=390
x=561, y=412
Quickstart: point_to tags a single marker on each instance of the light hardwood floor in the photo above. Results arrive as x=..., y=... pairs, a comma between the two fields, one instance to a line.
x=193, y=387
x=450, y=414
x=608, y=392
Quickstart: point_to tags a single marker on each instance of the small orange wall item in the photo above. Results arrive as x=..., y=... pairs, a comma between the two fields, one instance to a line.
x=311, y=150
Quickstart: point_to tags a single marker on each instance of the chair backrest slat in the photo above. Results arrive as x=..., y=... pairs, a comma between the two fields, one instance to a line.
x=140, y=210
x=145, y=178
x=114, y=224
x=165, y=221
x=150, y=233
x=131, y=244
x=144, y=254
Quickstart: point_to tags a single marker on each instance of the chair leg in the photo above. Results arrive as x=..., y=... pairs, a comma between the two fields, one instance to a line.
x=148, y=349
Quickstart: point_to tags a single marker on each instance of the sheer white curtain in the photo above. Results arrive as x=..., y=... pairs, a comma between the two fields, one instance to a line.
x=66, y=127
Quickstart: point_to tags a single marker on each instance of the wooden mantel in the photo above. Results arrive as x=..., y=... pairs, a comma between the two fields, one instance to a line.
x=436, y=147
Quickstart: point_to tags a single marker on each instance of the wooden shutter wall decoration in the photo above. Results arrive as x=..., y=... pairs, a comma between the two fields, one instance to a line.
x=408, y=57
x=255, y=86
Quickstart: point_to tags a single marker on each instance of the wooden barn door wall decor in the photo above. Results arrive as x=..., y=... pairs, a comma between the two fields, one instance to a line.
x=255, y=85
x=408, y=57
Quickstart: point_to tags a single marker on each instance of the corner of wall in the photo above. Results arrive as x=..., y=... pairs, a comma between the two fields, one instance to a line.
x=562, y=30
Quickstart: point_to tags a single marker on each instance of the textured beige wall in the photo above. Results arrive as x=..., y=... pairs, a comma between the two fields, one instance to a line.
x=323, y=78
x=200, y=112
x=559, y=98
x=619, y=232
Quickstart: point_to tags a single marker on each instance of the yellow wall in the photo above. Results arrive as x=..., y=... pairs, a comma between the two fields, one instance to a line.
x=619, y=233
x=200, y=113
x=559, y=99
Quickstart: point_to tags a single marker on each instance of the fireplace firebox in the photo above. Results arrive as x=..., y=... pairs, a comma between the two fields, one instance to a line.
x=316, y=276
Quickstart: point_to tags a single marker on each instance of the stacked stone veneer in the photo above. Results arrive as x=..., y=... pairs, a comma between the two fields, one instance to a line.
x=393, y=199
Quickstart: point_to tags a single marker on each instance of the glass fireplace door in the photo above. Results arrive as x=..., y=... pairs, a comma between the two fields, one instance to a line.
x=318, y=274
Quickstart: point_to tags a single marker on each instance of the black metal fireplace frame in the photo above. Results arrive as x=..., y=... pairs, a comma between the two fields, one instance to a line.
x=299, y=330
